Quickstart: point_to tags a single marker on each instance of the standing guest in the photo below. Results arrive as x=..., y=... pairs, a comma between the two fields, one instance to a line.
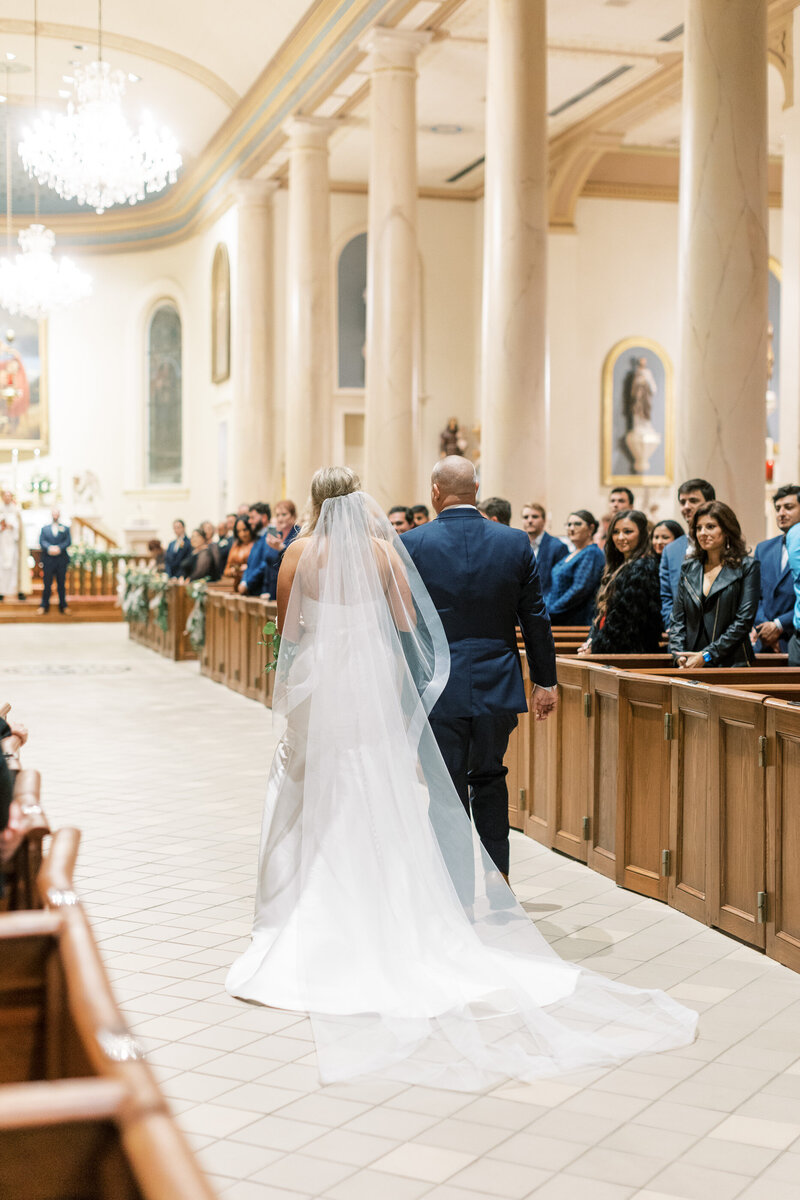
x=576, y=578
x=239, y=552
x=156, y=553
x=663, y=534
x=254, y=580
x=628, y=611
x=793, y=549
x=496, y=509
x=620, y=499
x=54, y=540
x=691, y=495
x=717, y=594
x=286, y=530
x=178, y=552
x=210, y=532
x=243, y=511
x=420, y=514
x=775, y=615
x=203, y=562
x=225, y=538
x=401, y=518
x=15, y=573
x=547, y=549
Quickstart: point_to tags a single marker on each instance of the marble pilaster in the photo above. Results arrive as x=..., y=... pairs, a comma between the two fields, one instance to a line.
x=308, y=315
x=514, y=418
x=392, y=269
x=252, y=358
x=788, y=459
x=723, y=254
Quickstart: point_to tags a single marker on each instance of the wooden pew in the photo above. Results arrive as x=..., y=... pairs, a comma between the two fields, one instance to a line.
x=233, y=654
x=21, y=845
x=172, y=643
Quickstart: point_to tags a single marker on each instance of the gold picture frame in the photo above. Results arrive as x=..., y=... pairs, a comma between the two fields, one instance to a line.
x=630, y=428
x=220, y=315
x=29, y=430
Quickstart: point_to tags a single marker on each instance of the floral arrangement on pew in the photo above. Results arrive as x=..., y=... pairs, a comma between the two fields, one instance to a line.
x=158, y=587
x=196, y=623
x=273, y=639
x=81, y=555
x=143, y=591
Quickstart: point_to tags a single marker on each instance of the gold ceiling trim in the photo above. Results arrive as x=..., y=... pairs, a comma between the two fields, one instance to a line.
x=148, y=50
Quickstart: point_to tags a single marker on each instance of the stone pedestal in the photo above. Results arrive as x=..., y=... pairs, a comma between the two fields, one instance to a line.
x=392, y=270
x=514, y=423
x=723, y=254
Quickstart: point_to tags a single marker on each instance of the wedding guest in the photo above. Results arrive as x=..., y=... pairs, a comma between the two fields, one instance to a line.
x=239, y=552
x=775, y=614
x=203, y=562
x=262, y=556
x=691, y=495
x=576, y=578
x=420, y=514
x=663, y=534
x=178, y=552
x=496, y=509
x=401, y=518
x=210, y=531
x=547, y=550
x=620, y=499
x=628, y=608
x=286, y=526
x=156, y=553
x=717, y=596
x=54, y=540
x=243, y=511
x=793, y=549
x=225, y=538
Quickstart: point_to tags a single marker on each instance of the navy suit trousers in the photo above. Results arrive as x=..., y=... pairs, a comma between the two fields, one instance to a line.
x=54, y=566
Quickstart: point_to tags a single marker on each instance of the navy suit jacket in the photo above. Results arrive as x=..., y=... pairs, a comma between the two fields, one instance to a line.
x=670, y=574
x=63, y=539
x=261, y=566
x=777, y=588
x=483, y=580
x=176, y=557
x=551, y=551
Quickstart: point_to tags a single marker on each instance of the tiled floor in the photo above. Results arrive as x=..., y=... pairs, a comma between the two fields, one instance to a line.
x=164, y=772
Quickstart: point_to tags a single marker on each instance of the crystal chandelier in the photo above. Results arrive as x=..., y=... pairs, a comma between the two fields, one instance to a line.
x=91, y=154
x=34, y=284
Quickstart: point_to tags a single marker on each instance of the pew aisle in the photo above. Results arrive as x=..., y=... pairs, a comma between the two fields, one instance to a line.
x=164, y=771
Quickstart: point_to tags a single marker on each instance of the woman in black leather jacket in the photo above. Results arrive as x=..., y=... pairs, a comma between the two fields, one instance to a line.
x=628, y=610
x=717, y=596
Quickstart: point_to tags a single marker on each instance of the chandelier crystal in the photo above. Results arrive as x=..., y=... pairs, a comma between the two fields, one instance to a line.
x=34, y=284
x=91, y=154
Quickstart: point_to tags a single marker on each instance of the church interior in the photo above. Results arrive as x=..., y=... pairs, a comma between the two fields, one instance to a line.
x=558, y=238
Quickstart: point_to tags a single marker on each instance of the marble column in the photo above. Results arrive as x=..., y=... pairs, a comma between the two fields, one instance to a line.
x=252, y=357
x=723, y=254
x=392, y=268
x=788, y=458
x=308, y=306
x=514, y=416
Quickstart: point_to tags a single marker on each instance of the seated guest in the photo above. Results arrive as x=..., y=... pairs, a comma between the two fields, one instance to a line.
x=628, y=612
x=178, y=552
x=497, y=510
x=691, y=495
x=547, y=549
x=239, y=552
x=156, y=553
x=401, y=518
x=664, y=533
x=420, y=514
x=55, y=540
x=254, y=581
x=717, y=594
x=203, y=562
x=620, y=499
x=775, y=615
x=576, y=578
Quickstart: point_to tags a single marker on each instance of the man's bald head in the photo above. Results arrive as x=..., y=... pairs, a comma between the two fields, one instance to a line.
x=453, y=481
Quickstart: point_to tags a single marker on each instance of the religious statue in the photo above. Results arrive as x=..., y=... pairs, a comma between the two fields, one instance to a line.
x=452, y=440
x=14, y=387
x=86, y=494
x=639, y=391
x=15, y=574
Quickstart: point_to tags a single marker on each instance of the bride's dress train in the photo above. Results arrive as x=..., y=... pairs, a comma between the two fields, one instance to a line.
x=377, y=911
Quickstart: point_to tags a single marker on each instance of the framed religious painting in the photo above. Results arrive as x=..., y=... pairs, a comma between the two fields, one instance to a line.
x=637, y=415
x=23, y=385
x=220, y=315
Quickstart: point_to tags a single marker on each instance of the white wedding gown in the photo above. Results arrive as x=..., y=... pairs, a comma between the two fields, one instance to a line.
x=377, y=910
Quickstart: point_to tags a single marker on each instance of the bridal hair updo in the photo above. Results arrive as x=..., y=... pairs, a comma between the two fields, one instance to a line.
x=327, y=483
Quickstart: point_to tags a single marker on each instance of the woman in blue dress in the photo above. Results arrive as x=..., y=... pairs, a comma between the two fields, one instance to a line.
x=576, y=578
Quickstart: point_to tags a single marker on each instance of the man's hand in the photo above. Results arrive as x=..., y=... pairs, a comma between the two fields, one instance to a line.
x=692, y=662
x=543, y=702
x=53, y=550
x=769, y=633
x=275, y=542
x=242, y=589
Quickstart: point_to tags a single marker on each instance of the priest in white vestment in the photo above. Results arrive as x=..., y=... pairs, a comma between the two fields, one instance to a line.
x=15, y=575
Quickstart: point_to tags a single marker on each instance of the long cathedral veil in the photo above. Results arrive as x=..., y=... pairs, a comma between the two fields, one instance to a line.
x=412, y=955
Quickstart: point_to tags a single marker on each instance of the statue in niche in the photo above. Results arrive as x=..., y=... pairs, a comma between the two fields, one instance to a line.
x=772, y=399
x=639, y=391
x=452, y=440
x=86, y=494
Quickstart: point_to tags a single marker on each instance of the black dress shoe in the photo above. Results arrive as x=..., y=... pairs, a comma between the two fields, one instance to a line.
x=21, y=597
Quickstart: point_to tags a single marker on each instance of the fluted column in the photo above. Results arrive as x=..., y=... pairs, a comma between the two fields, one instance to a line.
x=392, y=268
x=514, y=421
x=251, y=417
x=308, y=312
x=723, y=254
x=789, y=425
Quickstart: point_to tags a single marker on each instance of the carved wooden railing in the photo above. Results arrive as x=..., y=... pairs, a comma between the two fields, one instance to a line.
x=91, y=534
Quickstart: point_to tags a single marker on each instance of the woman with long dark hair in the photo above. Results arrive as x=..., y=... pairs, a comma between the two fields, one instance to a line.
x=239, y=552
x=628, y=608
x=664, y=533
x=717, y=596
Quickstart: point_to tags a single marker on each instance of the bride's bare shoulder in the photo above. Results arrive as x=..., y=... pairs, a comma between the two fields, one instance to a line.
x=295, y=549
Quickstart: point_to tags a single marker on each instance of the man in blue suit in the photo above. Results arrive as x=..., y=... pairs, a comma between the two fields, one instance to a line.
x=775, y=614
x=178, y=552
x=261, y=563
x=54, y=541
x=483, y=580
x=548, y=550
x=691, y=495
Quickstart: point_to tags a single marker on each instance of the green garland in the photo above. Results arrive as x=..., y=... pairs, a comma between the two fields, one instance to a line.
x=196, y=624
x=158, y=587
x=144, y=592
x=89, y=556
x=270, y=632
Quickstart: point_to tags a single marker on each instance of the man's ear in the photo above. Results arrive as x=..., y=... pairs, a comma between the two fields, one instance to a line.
x=434, y=492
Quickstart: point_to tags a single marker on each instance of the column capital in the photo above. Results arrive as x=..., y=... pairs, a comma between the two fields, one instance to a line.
x=254, y=193
x=394, y=49
x=309, y=133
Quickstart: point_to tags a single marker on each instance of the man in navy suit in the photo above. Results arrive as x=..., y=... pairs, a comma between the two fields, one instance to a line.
x=54, y=541
x=483, y=580
x=548, y=550
x=691, y=495
x=178, y=552
x=262, y=558
x=775, y=614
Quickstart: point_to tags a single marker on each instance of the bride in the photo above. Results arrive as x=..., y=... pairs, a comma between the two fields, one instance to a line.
x=377, y=910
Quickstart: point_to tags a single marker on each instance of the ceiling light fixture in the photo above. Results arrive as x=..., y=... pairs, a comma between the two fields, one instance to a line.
x=91, y=153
